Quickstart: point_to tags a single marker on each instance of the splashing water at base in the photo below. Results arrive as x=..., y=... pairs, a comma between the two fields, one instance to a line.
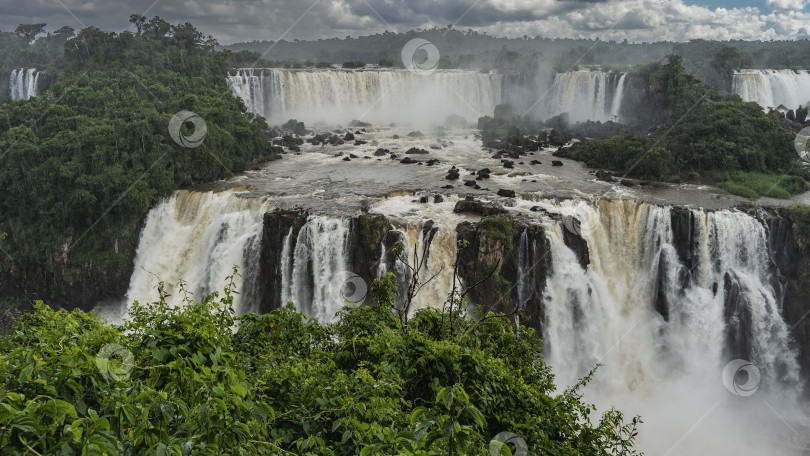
x=669, y=369
x=198, y=237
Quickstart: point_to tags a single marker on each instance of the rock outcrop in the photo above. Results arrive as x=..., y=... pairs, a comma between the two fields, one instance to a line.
x=788, y=238
x=62, y=285
x=277, y=226
x=366, y=235
x=507, y=260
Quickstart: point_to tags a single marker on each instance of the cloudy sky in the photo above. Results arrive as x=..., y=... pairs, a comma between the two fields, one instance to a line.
x=244, y=20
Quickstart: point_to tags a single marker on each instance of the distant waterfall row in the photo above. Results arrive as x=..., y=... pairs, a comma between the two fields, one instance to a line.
x=376, y=96
x=405, y=97
x=586, y=95
x=771, y=88
x=22, y=83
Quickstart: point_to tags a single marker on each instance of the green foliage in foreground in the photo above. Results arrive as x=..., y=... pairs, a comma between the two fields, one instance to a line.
x=702, y=133
x=204, y=382
x=81, y=164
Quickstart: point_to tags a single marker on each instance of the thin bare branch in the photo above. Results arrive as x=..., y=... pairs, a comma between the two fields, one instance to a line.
x=489, y=276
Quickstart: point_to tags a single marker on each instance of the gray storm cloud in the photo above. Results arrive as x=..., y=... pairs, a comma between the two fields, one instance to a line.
x=230, y=21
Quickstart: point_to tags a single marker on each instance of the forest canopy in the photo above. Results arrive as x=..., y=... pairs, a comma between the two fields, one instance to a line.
x=81, y=165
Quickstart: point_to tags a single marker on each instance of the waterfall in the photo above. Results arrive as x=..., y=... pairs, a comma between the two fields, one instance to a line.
x=22, y=83
x=198, y=237
x=315, y=269
x=722, y=307
x=377, y=96
x=587, y=95
x=435, y=245
x=771, y=88
x=525, y=278
x=662, y=314
x=722, y=303
x=430, y=230
x=632, y=262
x=618, y=97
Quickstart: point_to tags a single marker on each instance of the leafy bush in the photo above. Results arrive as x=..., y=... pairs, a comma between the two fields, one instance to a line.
x=801, y=114
x=204, y=382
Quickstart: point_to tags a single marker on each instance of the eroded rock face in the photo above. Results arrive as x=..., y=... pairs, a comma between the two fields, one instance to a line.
x=368, y=231
x=509, y=263
x=366, y=235
x=579, y=245
x=791, y=256
x=63, y=286
x=277, y=225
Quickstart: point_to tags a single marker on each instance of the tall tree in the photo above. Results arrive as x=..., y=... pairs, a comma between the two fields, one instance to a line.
x=29, y=31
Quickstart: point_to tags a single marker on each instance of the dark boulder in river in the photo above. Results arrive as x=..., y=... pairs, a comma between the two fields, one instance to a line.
x=473, y=206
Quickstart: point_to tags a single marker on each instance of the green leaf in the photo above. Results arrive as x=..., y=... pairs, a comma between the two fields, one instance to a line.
x=130, y=413
x=24, y=423
x=62, y=409
x=238, y=389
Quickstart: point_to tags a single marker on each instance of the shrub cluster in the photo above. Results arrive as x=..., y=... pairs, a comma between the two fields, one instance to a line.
x=202, y=381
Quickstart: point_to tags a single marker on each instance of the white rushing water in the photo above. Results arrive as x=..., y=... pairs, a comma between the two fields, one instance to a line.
x=670, y=371
x=771, y=88
x=339, y=96
x=198, y=237
x=586, y=95
x=22, y=83
x=720, y=307
x=430, y=231
x=315, y=270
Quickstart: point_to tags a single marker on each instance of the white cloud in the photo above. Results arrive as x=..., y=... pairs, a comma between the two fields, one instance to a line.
x=785, y=4
x=241, y=20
